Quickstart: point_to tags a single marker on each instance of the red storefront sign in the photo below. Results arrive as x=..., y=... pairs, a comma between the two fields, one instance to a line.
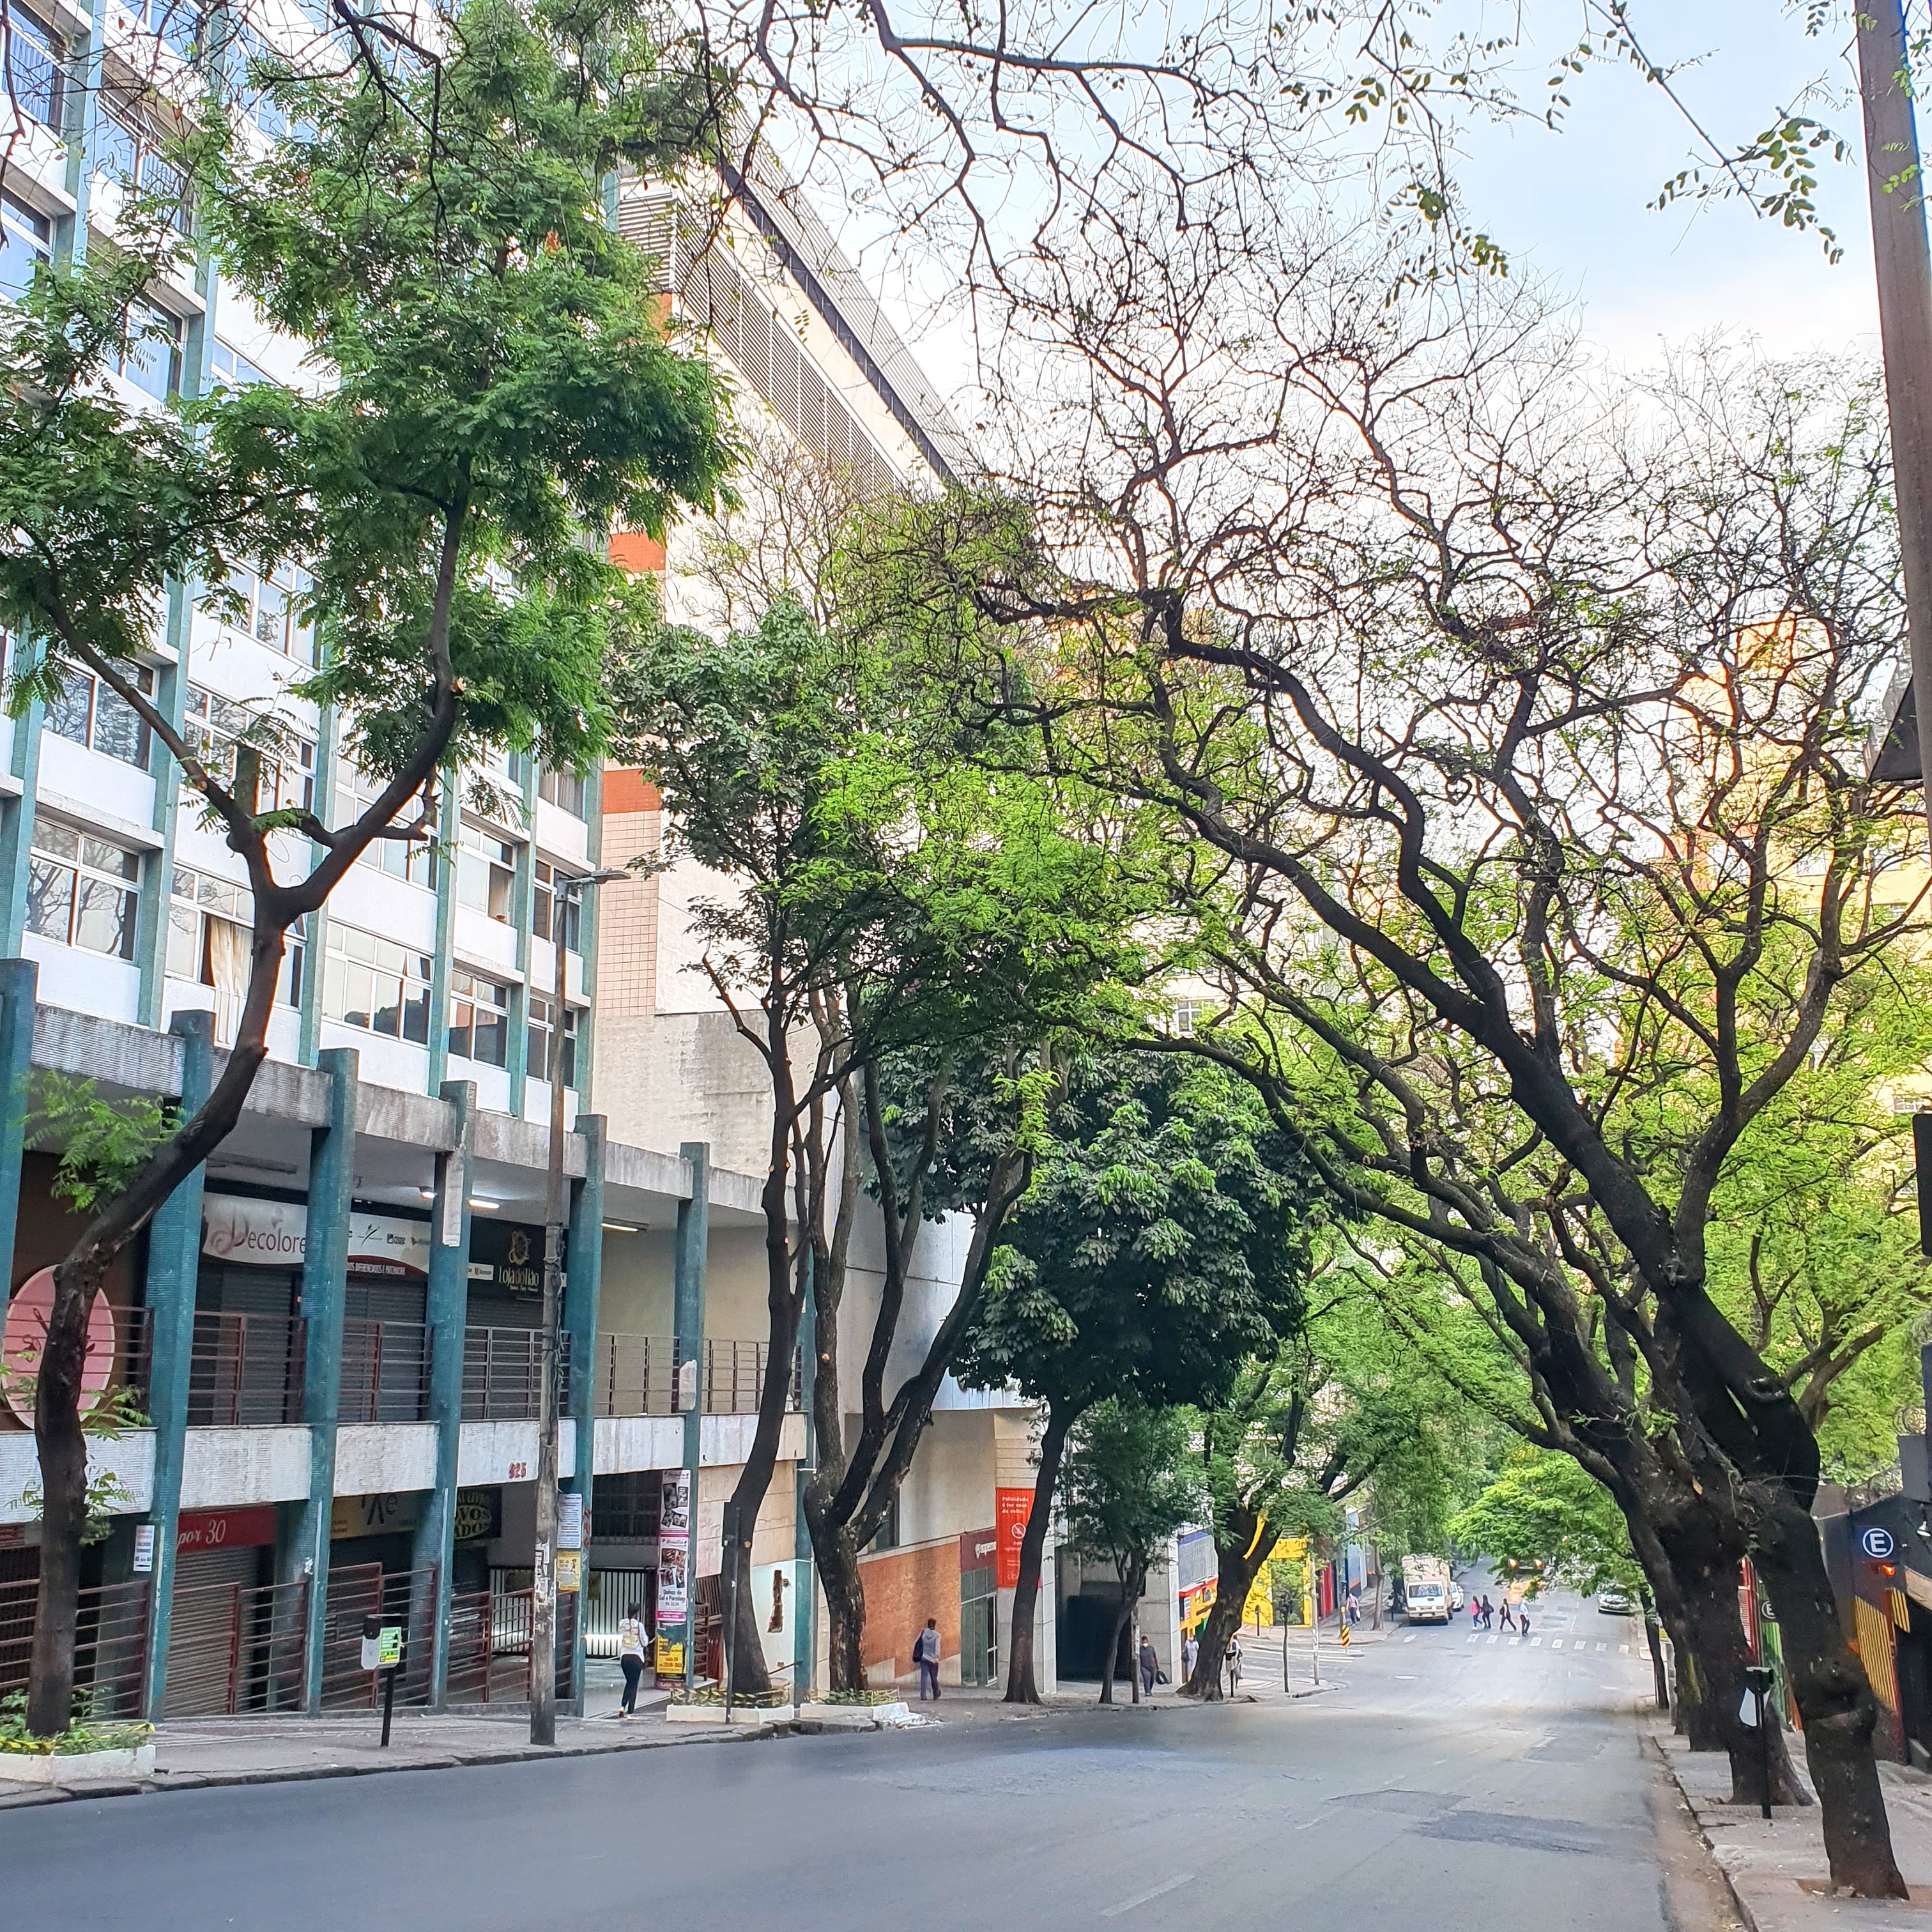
x=225, y=1529
x=978, y=1548
x=1010, y=1510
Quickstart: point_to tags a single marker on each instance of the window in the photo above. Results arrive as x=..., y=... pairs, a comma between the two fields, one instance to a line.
x=231, y=369
x=536, y=1062
x=546, y=898
x=177, y=23
x=26, y=237
x=89, y=712
x=83, y=890
x=153, y=361
x=479, y=1018
x=564, y=790
x=411, y=858
x=486, y=872
x=1184, y=1016
x=624, y=1507
x=264, y=62
x=887, y=1536
x=128, y=150
x=34, y=78
x=271, y=608
x=198, y=903
x=212, y=725
x=376, y=984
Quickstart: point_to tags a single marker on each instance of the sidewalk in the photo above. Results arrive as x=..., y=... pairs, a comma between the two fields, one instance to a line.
x=194, y=1752
x=1777, y=1872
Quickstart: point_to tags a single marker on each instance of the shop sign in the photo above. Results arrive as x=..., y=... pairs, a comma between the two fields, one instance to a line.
x=388, y=1513
x=674, y=1549
x=479, y=1515
x=225, y=1529
x=978, y=1548
x=275, y=1234
x=1011, y=1507
x=25, y=1334
x=507, y=1255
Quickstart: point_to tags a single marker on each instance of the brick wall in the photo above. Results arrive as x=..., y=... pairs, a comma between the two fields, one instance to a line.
x=903, y=1588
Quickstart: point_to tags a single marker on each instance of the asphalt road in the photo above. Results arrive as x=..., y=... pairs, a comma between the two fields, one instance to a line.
x=1446, y=1786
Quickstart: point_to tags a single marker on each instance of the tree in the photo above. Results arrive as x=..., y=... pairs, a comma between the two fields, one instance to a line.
x=500, y=384
x=1544, y=1508
x=1337, y=1410
x=1166, y=1236
x=1126, y=1491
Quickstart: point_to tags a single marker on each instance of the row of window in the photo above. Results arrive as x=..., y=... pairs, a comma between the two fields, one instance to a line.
x=382, y=988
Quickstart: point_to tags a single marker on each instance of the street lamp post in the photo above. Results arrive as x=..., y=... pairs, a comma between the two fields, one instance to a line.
x=543, y=1565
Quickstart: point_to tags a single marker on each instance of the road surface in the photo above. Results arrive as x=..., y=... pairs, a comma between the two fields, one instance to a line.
x=1444, y=1786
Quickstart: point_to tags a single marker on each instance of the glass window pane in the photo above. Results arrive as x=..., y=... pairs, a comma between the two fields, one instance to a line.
x=51, y=836
x=184, y=942
x=492, y=1039
x=50, y=900
x=105, y=857
x=416, y=1017
x=68, y=715
x=358, y=994
x=271, y=616
x=104, y=918
x=119, y=730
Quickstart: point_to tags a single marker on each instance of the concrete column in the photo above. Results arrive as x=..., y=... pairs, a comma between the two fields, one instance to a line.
x=583, y=1254
x=331, y=1180
x=18, y=980
x=694, y=1230
x=174, y=1263
x=448, y=1306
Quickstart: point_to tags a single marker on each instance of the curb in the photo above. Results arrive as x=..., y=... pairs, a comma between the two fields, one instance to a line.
x=200, y=1780
x=1745, y=1915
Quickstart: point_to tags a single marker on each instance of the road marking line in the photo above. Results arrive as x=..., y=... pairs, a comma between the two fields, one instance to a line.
x=1152, y=1892
x=1603, y=1646
x=1471, y=1639
x=1623, y=1650
x=1556, y=1643
x=1410, y=1638
x=1495, y=1638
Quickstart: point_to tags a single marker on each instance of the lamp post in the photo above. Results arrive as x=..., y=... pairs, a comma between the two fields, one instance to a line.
x=543, y=1565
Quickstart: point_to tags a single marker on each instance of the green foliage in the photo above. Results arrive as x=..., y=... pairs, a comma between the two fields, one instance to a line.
x=1166, y=1235
x=103, y=1144
x=1128, y=1486
x=1546, y=1508
x=79, y=1737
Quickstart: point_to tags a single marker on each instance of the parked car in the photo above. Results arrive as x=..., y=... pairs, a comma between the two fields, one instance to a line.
x=1615, y=1602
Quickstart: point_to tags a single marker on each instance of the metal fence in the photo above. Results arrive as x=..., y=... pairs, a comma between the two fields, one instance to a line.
x=501, y=1371
x=403, y=1597
x=607, y=1594
x=110, y=1656
x=236, y=1649
x=385, y=1371
x=490, y=1641
x=648, y=1375
x=245, y=1368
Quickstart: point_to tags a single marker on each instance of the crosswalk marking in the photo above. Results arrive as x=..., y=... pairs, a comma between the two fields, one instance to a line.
x=1470, y=1638
x=1556, y=1643
x=1603, y=1646
x=1623, y=1650
x=1410, y=1638
x=1534, y=1643
x=1492, y=1637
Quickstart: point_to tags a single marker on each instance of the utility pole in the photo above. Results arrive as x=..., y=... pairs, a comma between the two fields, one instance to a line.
x=549, y=1394
x=1896, y=194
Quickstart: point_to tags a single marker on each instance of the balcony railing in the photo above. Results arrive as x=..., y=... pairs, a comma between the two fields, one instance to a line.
x=501, y=1370
x=245, y=1369
x=385, y=1371
x=646, y=1375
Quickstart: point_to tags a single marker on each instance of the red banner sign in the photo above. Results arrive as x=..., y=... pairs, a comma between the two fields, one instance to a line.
x=978, y=1548
x=226, y=1529
x=1011, y=1508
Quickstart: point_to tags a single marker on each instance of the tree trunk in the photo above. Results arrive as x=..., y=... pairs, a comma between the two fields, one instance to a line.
x=1237, y=1564
x=1021, y=1687
x=62, y=1442
x=1107, y=1663
x=1653, y=1635
x=844, y=1587
x=1834, y=1699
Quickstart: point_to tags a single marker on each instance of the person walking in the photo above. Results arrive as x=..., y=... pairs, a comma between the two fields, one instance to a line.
x=1355, y=1604
x=1190, y=1650
x=1523, y=1619
x=631, y=1657
x=1509, y=1616
x=926, y=1654
x=1234, y=1665
x=1150, y=1665
x=1489, y=1614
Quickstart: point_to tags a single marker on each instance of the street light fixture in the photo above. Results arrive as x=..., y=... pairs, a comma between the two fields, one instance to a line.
x=543, y=1567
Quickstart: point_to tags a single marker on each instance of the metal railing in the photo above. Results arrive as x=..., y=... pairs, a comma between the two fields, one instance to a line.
x=607, y=1594
x=644, y=1374
x=404, y=1597
x=501, y=1372
x=490, y=1641
x=110, y=1652
x=236, y=1649
x=245, y=1369
x=385, y=1371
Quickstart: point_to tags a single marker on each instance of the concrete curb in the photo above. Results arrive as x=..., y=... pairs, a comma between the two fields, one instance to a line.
x=1651, y=1744
x=201, y=1780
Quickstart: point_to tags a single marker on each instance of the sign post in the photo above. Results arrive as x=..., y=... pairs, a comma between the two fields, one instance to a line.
x=1757, y=1685
x=382, y=1650
x=733, y=1537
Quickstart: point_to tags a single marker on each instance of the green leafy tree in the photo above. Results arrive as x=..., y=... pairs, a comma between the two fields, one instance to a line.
x=1128, y=1487
x=1165, y=1238
x=492, y=382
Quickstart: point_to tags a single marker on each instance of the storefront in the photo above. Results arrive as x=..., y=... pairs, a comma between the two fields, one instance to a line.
x=505, y=1274
x=220, y=1623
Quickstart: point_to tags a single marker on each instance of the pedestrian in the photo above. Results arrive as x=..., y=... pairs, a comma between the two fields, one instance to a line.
x=925, y=1653
x=1489, y=1614
x=1523, y=1618
x=1355, y=1604
x=1234, y=1664
x=1149, y=1664
x=1509, y=1618
x=1190, y=1650
x=631, y=1657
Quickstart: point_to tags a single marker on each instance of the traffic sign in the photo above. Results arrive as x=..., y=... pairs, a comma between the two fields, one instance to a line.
x=1876, y=1544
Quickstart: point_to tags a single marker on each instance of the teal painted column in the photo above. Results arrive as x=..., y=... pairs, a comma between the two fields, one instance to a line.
x=694, y=1231
x=18, y=981
x=584, y=1261
x=447, y=1313
x=805, y=1575
x=440, y=966
x=174, y=1265
x=332, y=1181
x=16, y=826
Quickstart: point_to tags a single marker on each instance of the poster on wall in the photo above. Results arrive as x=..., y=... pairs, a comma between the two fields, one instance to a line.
x=674, y=1552
x=1010, y=1510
